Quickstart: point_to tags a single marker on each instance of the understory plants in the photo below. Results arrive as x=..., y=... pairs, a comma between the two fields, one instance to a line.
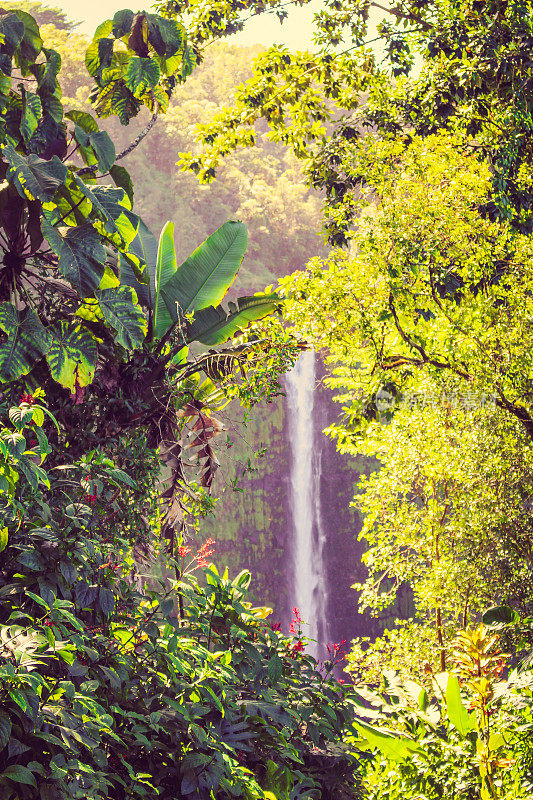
x=111, y=689
x=469, y=736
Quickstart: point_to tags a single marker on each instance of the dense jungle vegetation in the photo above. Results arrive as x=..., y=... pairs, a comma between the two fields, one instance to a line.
x=126, y=330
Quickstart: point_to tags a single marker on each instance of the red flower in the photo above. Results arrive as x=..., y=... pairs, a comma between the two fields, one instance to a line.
x=336, y=650
x=206, y=549
x=275, y=626
x=296, y=622
x=27, y=398
x=183, y=551
x=92, y=498
x=203, y=554
x=297, y=647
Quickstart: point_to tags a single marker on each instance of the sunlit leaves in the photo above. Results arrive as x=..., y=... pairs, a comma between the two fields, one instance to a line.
x=165, y=268
x=34, y=177
x=25, y=342
x=206, y=275
x=213, y=326
x=142, y=75
x=72, y=356
x=128, y=77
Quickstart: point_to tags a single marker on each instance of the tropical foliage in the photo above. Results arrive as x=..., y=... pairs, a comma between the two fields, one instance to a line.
x=123, y=674
x=106, y=691
x=422, y=311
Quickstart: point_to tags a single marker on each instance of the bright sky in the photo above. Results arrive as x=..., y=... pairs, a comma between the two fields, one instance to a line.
x=296, y=31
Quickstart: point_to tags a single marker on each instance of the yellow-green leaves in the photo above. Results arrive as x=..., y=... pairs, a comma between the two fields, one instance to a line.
x=457, y=713
x=34, y=177
x=26, y=340
x=72, y=356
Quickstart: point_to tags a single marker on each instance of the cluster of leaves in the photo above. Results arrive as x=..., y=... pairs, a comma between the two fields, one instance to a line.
x=438, y=66
x=56, y=224
x=107, y=690
x=86, y=226
x=469, y=737
x=83, y=281
x=426, y=331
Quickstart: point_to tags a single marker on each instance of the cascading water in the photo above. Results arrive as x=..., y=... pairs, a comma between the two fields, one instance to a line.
x=308, y=535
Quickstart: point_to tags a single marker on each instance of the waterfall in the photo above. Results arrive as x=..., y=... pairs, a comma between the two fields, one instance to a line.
x=308, y=534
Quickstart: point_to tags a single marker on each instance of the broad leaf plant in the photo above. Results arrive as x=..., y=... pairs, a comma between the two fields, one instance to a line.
x=91, y=305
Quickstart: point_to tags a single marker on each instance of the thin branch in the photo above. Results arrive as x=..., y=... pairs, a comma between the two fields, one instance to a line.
x=130, y=147
x=59, y=285
x=426, y=26
x=426, y=359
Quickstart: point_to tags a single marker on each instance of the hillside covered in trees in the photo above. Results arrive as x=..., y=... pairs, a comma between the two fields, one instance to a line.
x=384, y=195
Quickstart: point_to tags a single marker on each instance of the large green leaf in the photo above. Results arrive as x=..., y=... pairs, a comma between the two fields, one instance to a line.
x=457, y=713
x=113, y=208
x=31, y=43
x=167, y=36
x=117, y=206
x=205, y=277
x=19, y=774
x=188, y=62
x=33, y=177
x=12, y=30
x=122, y=179
x=500, y=615
x=142, y=75
x=104, y=149
x=96, y=146
x=27, y=341
x=215, y=325
x=165, y=270
x=81, y=256
x=120, y=309
x=116, y=98
x=31, y=114
x=47, y=73
x=99, y=53
x=393, y=745
x=122, y=22
x=72, y=356
x=142, y=251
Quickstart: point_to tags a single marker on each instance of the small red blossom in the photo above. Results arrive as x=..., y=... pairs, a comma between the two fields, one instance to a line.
x=183, y=551
x=296, y=622
x=203, y=554
x=296, y=647
x=92, y=498
x=206, y=549
x=275, y=626
x=27, y=398
x=336, y=650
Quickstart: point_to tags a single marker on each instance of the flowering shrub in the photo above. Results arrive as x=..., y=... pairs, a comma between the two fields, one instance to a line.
x=105, y=692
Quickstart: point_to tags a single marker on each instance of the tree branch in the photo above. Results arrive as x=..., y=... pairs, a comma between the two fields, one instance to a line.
x=426, y=26
x=145, y=131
